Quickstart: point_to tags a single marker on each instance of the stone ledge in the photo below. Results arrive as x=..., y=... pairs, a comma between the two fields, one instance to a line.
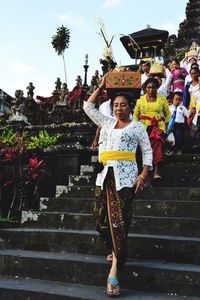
x=43, y=289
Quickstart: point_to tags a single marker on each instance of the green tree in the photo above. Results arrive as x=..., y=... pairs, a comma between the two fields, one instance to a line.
x=60, y=42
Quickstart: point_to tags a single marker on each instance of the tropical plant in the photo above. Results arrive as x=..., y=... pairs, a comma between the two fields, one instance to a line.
x=25, y=178
x=60, y=42
x=12, y=143
x=8, y=138
x=43, y=140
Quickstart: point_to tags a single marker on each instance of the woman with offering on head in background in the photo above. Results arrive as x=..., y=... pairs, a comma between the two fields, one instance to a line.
x=119, y=180
x=152, y=110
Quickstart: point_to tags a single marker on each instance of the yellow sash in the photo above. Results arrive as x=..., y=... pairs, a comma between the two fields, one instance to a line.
x=198, y=106
x=116, y=155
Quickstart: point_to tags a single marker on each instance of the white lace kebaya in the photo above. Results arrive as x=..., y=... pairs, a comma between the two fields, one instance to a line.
x=124, y=139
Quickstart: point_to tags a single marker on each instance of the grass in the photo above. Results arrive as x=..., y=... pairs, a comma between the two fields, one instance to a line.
x=4, y=219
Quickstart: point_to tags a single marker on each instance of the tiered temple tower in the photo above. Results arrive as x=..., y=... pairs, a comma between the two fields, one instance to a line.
x=189, y=29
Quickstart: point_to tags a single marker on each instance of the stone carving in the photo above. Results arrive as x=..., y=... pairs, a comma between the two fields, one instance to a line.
x=169, y=50
x=94, y=83
x=24, y=110
x=58, y=84
x=17, y=115
x=30, y=89
x=189, y=29
x=18, y=108
x=63, y=94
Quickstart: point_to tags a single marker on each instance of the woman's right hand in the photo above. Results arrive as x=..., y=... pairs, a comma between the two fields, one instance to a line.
x=94, y=145
x=140, y=181
x=192, y=111
x=102, y=83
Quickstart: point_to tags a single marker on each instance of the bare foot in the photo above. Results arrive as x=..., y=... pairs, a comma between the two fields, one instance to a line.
x=109, y=257
x=157, y=176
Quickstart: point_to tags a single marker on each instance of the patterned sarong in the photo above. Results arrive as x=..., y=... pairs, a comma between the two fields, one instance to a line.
x=112, y=214
x=157, y=145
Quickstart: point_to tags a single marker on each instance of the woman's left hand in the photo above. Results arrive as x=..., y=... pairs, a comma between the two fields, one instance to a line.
x=140, y=181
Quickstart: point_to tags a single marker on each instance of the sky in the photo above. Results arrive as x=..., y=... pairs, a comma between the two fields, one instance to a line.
x=27, y=28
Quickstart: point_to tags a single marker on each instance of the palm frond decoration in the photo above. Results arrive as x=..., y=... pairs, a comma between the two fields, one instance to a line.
x=103, y=33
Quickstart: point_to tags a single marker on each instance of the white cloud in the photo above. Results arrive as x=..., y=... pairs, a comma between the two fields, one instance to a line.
x=17, y=75
x=172, y=27
x=16, y=65
x=169, y=26
x=23, y=68
x=72, y=19
x=112, y=3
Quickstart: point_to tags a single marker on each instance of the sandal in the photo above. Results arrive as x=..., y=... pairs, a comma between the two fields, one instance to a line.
x=109, y=257
x=112, y=287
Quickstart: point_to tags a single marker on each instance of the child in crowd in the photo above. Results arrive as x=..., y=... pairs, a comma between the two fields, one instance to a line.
x=179, y=124
x=170, y=98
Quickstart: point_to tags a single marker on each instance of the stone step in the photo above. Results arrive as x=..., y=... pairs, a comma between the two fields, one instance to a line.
x=168, y=248
x=170, y=169
x=67, y=220
x=34, y=289
x=170, y=193
x=140, y=224
x=87, y=169
x=177, y=181
x=184, y=158
x=54, y=240
x=170, y=208
x=166, y=225
x=172, y=165
x=166, y=181
x=79, y=191
x=82, y=180
x=81, y=205
x=9, y=224
x=187, y=149
x=154, y=276
x=159, y=208
x=191, y=155
x=174, y=193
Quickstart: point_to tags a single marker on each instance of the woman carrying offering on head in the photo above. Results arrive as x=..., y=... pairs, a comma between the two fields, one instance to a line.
x=119, y=180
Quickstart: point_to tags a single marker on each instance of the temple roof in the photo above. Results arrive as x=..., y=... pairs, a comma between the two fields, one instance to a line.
x=150, y=33
x=143, y=39
x=6, y=98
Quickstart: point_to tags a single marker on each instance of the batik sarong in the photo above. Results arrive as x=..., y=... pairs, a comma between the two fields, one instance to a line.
x=112, y=214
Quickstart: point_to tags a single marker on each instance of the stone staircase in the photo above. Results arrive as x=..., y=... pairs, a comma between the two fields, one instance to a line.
x=57, y=254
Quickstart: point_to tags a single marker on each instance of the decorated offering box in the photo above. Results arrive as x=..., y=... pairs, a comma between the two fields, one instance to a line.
x=123, y=81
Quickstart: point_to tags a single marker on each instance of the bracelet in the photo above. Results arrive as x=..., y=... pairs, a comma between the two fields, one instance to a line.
x=142, y=177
